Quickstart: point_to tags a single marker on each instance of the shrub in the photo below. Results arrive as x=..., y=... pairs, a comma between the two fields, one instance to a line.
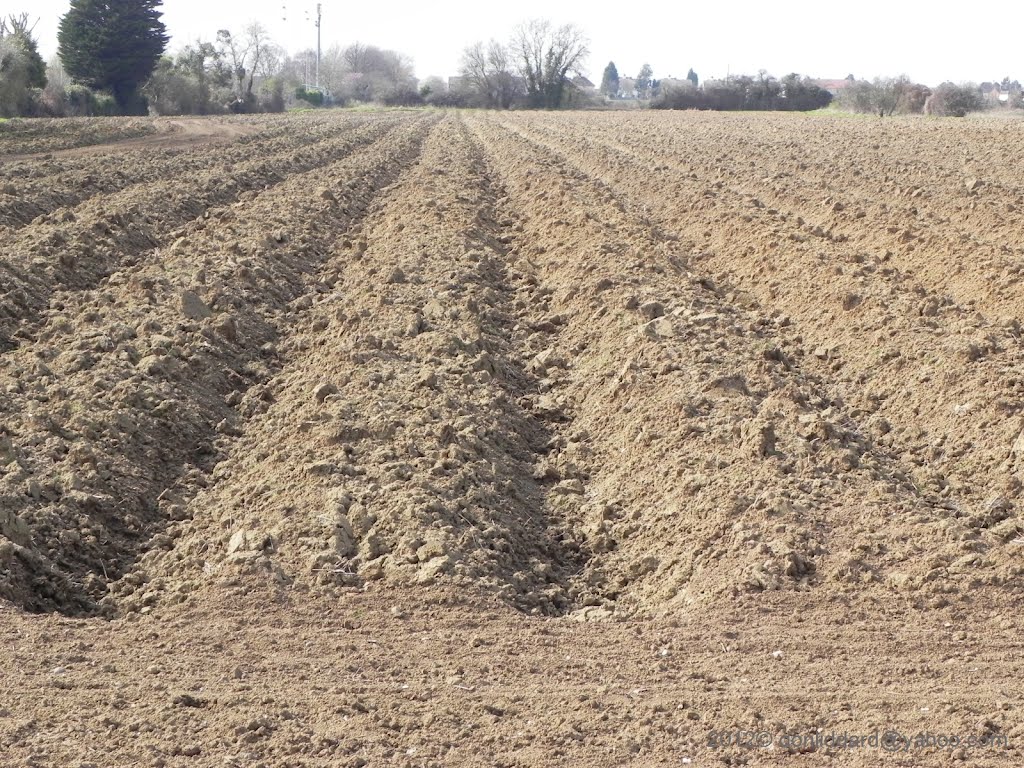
x=272, y=95
x=446, y=99
x=14, y=78
x=171, y=92
x=954, y=100
x=885, y=96
x=400, y=95
x=81, y=101
x=314, y=97
x=792, y=93
x=243, y=106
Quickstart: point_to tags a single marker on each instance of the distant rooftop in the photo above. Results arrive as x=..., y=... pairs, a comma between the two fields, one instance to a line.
x=832, y=85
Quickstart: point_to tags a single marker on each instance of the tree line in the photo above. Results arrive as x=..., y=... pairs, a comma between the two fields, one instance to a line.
x=249, y=72
x=643, y=86
x=745, y=92
x=111, y=60
x=900, y=95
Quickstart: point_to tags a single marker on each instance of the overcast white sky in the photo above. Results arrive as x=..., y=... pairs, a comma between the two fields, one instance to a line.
x=827, y=40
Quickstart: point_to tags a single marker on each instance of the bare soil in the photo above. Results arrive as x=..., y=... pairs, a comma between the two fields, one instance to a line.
x=423, y=438
x=24, y=136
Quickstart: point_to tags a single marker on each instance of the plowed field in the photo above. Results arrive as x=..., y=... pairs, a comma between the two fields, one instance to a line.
x=426, y=439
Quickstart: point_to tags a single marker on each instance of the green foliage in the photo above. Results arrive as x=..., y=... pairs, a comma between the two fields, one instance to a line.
x=36, y=65
x=272, y=95
x=170, y=91
x=81, y=101
x=113, y=45
x=644, y=82
x=202, y=79
x=204, y=71
x=610, y=81
x=802, y=95
x=22, y=70
x=14, y=93
x=314, y=97
x=692, y=77
x=16, y=30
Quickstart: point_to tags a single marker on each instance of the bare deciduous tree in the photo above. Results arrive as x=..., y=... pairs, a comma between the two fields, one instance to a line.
x=475, y=72
x=506, y=85
x=356, y=57
x=885, y=96
x=376, y=74
x=546, y=56
x=301, y=68
x=258, y=47
x=487, y=73
x=234, y=54
x=247, y=55
x=332, y=68
x=272, y=61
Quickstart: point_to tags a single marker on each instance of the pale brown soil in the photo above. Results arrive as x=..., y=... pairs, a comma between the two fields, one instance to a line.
x=31, y=136
x=512, y=439
x=136, y=133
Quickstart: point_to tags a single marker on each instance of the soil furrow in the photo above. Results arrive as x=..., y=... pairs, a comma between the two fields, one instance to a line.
x=924, y=416
x=399, y=444
x=30, y=190
x=172, y=355
x=927, y=209
x=22, y=137
x=791, y=422
x=105, y=234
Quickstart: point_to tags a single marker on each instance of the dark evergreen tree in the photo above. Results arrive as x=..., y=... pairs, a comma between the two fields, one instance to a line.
x=113, y=45
x=610, y=81
x=644, y=82
x=692, y=77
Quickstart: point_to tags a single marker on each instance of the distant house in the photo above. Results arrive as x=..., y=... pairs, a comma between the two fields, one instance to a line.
x=994, y=93
x=583, y=83
x=674, y=82
x=835, y=87
x=627, y=88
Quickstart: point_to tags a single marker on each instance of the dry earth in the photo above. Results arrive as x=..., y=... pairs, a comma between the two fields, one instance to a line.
x=421, y=439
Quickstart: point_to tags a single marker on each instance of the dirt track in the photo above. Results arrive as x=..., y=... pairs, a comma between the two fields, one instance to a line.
x=170, y=135
x=513, y=439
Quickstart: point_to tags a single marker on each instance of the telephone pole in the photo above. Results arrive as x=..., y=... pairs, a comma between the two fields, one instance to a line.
x=318, y=7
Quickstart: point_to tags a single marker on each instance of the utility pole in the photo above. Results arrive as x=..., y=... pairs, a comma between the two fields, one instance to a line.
x=318, y=7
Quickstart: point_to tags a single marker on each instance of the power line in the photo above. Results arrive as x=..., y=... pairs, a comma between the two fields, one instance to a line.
x=319, y=14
